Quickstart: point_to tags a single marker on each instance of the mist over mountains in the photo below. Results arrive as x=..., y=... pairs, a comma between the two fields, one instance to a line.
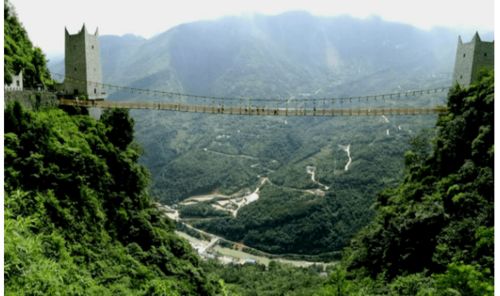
x=282, y=55
x=155, y=202
x=287, y=56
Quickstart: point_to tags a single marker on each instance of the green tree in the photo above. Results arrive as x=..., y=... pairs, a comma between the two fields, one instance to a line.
x=21, y=55
x=88, y=213
x=440, y=218
x=120, y=127
x=461, y=279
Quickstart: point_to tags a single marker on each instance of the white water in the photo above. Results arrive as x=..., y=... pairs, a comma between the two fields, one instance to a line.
x=250, y=198
x=311, y=170
x=234, y=202
x=229, y=203
x=168, y=211
x=347, y=149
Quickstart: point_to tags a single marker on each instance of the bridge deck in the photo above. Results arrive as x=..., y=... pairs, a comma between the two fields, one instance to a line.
x=252, y=111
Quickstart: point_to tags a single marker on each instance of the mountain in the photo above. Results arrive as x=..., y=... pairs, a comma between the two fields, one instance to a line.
x=21, y=55
x=230, y=55
x=293, y=55
x=434, y=233
x=78, y=217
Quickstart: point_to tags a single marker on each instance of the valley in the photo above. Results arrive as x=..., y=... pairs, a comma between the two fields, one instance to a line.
x=209, y=246
x=278, y=184
x=231, y=203
x=286, y=154
x=302, y=187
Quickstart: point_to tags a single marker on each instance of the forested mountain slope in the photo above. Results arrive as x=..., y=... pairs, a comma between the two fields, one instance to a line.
x=293, y=55
x=78, y=216
x=279, y=56
x=79, y=219
x=433, y=234
x=20, y=54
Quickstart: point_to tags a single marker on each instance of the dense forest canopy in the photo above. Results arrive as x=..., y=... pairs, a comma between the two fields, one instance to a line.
x=293, y=55
x=77, y=214
x=21, y=55
x=433, y=234
x=79, y=218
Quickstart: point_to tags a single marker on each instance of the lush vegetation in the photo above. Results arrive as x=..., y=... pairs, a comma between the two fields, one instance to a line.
x=287, y=218
x=275, y=279
x=78, y=218
x=228, y=154
x=21, y=55
x=433, y=234
x=258, y=58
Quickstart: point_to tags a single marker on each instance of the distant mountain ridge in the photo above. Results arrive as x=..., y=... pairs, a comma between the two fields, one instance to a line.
x=285, y=54
x=289, y=55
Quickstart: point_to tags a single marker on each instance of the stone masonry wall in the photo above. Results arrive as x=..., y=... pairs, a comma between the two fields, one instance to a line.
x=483, y=58
x=463, y=63
x=94, y=71
x=83, y=64
x=75, y=63
x=471, y=58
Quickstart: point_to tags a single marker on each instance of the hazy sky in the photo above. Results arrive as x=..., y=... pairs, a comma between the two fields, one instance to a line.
x=45, y=20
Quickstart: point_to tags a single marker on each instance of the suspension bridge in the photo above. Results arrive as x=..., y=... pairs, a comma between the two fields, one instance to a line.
x=395, y=103
x=252, y=110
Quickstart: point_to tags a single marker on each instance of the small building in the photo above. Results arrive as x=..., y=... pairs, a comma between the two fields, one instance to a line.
x=16, y=84
x=471, y=58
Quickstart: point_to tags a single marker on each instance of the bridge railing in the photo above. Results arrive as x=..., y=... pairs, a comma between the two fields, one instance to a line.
x=300, y=101
x=253, y=111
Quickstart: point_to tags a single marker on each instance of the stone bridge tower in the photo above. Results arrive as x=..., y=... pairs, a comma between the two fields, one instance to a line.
x=83, y=73
x=471, y=58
